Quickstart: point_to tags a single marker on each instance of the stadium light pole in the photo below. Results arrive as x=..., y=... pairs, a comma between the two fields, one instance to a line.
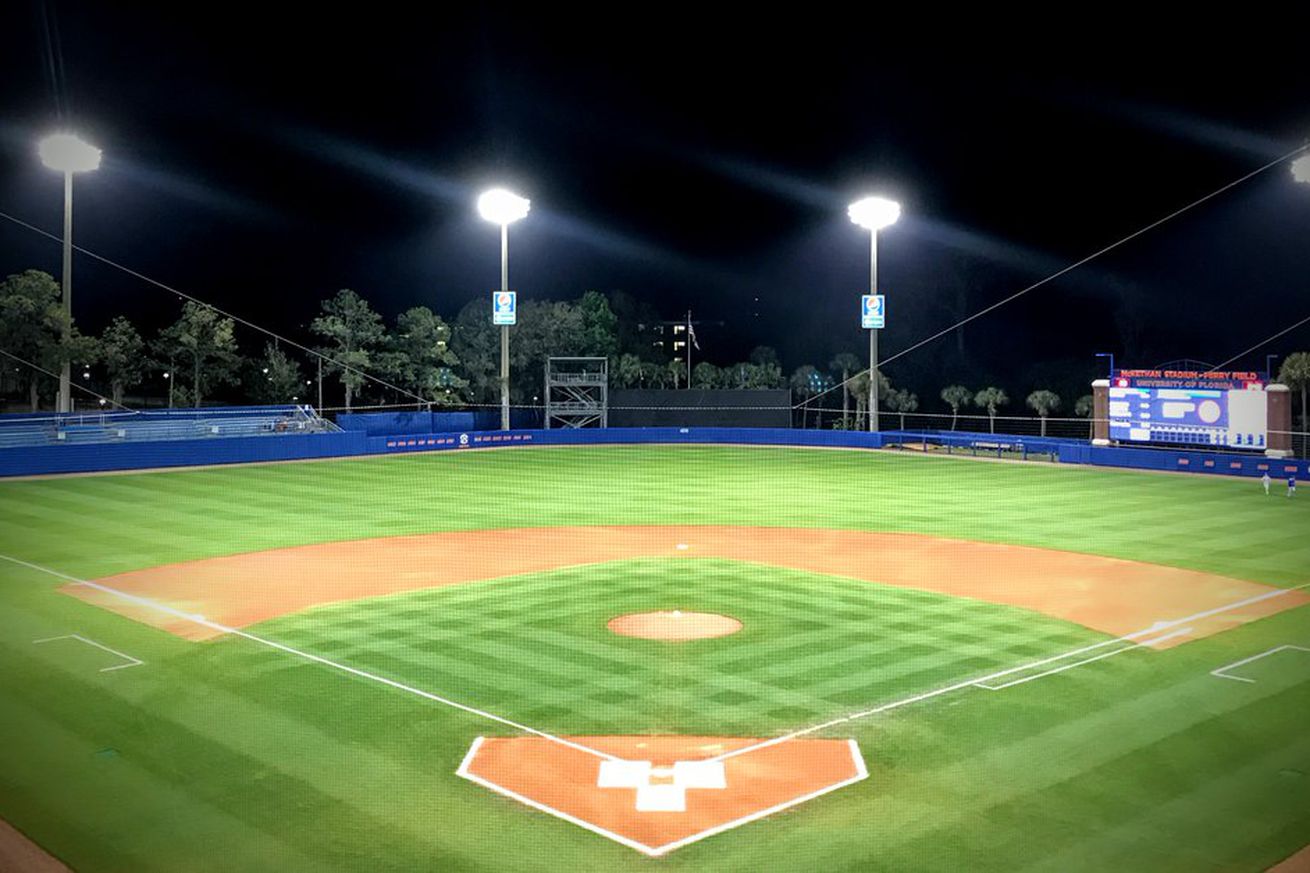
x=873, y=214
x=503, y=207
x=67, y=154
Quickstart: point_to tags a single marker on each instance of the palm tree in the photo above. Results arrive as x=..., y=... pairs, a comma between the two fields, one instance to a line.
x=675, y=370
x=1084, y=407
x=991, y=399
x=1043, y=402
x=956, y=396
x=627, y=371
x=902, y=402
x=653, y=375
x=803, y=381
x=845, y=363
x=1295, y=374
x=859, y=386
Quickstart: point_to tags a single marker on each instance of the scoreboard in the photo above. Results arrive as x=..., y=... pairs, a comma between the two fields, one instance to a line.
x=1177, y=407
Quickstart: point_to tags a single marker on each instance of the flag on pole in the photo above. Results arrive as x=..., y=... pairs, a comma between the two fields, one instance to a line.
x=691, y=335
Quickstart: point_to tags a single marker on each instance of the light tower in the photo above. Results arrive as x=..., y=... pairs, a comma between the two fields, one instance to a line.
x=873, y=214
x=67, y=154
x=503, y=207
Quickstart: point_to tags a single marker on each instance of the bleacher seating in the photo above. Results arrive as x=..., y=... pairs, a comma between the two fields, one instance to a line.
x=159, y=424
x=26, y=435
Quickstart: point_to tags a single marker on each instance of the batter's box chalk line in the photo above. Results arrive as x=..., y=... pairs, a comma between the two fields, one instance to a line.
x=1224, y=672
x=593, y=755
x=128, y=660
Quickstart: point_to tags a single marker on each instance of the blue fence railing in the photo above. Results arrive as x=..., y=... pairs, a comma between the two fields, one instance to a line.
x=38, y=429
x=978, y=443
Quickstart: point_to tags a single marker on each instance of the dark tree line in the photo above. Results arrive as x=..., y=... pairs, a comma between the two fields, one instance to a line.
x=423, y=358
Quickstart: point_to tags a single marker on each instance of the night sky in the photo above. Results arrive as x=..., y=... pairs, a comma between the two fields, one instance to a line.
x=262, y=159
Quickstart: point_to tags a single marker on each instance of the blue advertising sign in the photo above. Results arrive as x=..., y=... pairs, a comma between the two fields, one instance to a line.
x=873, y=311
x=504, y=307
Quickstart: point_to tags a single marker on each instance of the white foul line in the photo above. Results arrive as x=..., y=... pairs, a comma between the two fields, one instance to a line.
x=947, y=689
x=1222, y=671
x=1013, y=682
x=1128, y=648
x=318, y=659
x=886, y=707
x=132, y=662
x=463, y=772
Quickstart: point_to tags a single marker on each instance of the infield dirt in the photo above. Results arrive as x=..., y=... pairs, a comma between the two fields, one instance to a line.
x=1111, y=595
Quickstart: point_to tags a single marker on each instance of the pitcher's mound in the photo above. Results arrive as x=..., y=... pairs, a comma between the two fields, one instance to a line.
x=675, y=626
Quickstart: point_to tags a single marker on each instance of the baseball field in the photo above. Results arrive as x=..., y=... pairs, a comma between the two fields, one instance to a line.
x=680, y=657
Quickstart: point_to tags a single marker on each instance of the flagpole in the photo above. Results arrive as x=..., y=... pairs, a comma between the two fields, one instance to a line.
x=688, y=349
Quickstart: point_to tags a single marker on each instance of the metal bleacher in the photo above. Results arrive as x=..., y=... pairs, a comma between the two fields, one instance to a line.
x=159, y=424
x=986, y=444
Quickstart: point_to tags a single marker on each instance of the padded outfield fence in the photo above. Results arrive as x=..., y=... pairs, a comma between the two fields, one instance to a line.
x=391, y=433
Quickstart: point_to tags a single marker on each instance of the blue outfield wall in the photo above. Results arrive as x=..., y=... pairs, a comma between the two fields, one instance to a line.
x=406, y=423
x=48, y=459
x=1179, y=461
x=96, y=457
x=763, y=436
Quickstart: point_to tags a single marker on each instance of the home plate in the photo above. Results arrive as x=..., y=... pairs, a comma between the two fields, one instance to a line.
x=659, y=793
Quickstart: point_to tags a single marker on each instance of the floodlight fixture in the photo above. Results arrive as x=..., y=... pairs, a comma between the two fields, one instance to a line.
x=68, y=153
x=1301, y=168
x=500, y=206
x=874, y=213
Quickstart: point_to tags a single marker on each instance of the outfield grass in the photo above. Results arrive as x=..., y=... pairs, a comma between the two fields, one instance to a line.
x=232, y=756
x=109, y=524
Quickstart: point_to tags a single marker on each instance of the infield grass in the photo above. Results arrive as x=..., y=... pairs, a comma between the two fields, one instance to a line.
x=535, y=648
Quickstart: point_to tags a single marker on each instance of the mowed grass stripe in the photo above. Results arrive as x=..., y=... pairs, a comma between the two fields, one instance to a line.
x=1114, y=773
x=240, y=783
x=971, y=780
x=1038, y=505
x=518, y=661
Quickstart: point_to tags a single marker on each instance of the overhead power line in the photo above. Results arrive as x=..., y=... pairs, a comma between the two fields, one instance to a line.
x=1071, y=267
x=243, y=321
x=1262, y=342
x=102, y=398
